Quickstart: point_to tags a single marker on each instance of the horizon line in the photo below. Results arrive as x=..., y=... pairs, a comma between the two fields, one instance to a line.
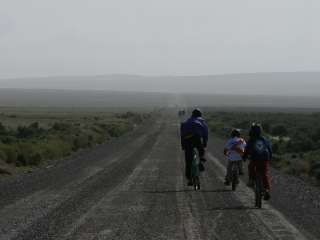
x=157, y=75
x=157, y=92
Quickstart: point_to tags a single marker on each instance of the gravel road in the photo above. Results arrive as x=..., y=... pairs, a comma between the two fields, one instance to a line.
x=133, y=188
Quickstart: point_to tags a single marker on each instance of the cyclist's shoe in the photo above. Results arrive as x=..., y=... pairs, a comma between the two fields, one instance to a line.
x=266, y=195
x=227, y=183
x=190, y=183
x=250, y=184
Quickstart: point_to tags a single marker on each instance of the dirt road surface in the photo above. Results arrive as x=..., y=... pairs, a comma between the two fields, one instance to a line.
x=134, y=188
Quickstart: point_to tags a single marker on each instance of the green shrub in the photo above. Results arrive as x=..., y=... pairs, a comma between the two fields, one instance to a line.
x=316, y=135
x=35, y=159
x=61, y=126
x=28, y=154
x=100, y=139
x=30, y=145
x=3, y=129
x=279, y=130
x=21, y=160
x=29, y=131
x=10, y=152
x=3, y=156
x=317, y=174
x=81, y=141
x=24, y=132
x=55, y=148
x=8, y=139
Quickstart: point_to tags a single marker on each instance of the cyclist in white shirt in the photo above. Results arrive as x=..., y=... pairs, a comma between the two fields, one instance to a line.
x=234, y=150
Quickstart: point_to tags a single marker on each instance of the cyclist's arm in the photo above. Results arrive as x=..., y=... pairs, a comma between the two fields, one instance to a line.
x=227, y=148
x=240, y=150
x=247, y=151
x=270, y=149
x=181, y=136
x=205, y=134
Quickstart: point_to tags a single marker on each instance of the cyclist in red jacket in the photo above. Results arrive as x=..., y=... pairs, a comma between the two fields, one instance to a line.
x=258, y=150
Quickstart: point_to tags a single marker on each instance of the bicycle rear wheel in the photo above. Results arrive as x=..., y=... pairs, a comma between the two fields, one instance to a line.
x=258, y=192
x=235, y=176
x=234, y=182
x=196, y=183
x=259, y=186
x=195, y=172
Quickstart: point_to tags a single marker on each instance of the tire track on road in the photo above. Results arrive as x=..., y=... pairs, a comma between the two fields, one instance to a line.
x=91, y=191
x=273, y=220
x=144, y=207
x=21, y=214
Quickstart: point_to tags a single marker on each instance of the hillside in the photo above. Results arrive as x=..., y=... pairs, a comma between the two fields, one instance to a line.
x=288, y=84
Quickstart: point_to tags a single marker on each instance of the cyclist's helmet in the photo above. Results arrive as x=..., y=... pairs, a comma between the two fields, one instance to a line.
x=235, y=132
x=196, y=113
x=256, y=130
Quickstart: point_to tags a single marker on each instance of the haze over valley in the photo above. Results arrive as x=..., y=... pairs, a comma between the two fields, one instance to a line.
x=282, y=84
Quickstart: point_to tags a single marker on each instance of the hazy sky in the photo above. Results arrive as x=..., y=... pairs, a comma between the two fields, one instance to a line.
x=166, y=37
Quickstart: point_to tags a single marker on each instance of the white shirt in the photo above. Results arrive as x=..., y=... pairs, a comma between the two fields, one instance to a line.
x=231, y=146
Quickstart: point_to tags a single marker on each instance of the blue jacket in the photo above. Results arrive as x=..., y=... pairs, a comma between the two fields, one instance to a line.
x=258, y=149
x=194, y=127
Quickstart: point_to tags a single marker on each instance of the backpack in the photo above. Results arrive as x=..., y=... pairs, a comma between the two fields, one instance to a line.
x=261, y=149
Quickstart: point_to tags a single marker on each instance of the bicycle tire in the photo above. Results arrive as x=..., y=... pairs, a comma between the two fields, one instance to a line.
x=195, y=172
x=235, y=176
x=196, y=183
x=258, y=192
x=234, y=183
x=259, y=186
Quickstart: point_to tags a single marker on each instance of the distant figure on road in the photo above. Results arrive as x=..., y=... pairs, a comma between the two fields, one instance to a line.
x=181, y=113
x=258, y=150
x=234, y=151
x=194, y=134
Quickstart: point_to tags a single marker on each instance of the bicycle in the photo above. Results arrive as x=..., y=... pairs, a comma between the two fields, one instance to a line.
x=195, y=172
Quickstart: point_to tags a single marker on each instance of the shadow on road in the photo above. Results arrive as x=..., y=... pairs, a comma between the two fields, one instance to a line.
x=186, y=190
x=232, y=208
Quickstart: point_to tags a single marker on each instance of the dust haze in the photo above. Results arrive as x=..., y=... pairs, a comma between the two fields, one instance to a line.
x=277, y=84
x=229, y=48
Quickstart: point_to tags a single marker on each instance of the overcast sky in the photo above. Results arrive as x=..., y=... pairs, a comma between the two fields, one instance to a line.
x=157, y=37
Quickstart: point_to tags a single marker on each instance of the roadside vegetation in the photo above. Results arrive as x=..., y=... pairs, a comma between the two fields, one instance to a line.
x=295, y=137
x=31, y=138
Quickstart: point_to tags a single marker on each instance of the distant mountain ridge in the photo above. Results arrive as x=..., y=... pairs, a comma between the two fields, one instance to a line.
x=279, y=84
x=93, y=99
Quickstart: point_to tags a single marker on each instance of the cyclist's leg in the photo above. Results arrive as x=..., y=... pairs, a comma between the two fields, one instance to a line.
x=228, y=175
x=188, y=161
x=240, y=167
x=252, y=172
x=266, y=178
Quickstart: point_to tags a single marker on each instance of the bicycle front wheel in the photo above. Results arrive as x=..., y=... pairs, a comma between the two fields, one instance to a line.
x=196, y=183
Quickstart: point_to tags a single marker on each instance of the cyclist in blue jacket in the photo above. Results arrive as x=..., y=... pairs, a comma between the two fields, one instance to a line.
x=194, y=133
x=259, y=150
